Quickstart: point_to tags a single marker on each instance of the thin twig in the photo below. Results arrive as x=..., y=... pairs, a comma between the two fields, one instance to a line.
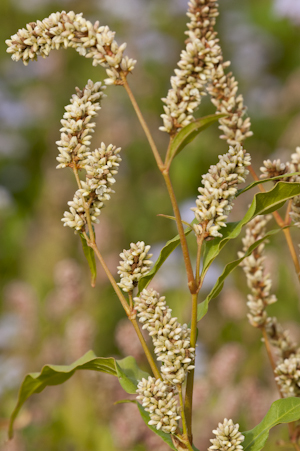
x=143, y=123
x=186, y=255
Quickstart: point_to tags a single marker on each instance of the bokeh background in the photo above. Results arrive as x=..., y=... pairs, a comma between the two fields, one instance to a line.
x=48, y=311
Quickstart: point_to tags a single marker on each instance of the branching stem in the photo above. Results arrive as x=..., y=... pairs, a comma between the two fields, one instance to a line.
x=165, y=172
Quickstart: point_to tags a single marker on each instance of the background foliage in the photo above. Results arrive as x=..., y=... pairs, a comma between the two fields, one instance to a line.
x=48, y=311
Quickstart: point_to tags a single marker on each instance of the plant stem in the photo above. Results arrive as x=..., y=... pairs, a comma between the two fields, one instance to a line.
x=186, y=256
x=130, y=300
x=143, y=123
x=292, y=250
x=200, y=240
x=184, y=427
x=282, y=224
x=129, y=312
x=190, y=377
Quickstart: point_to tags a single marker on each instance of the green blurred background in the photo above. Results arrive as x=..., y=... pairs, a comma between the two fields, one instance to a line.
x=48, y=311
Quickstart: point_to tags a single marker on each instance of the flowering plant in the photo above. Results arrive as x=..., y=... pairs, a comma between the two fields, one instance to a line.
x=167, y=395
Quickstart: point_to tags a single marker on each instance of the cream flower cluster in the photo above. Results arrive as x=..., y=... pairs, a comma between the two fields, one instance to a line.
x=228, y=437
x=171, y=339
x=63, y=30
x=280, y=339
x=101, y=165
x=258, y=282
x=159, y=400
x=197, y=61
x=273, y=169
x=202, y=67
x=219, y=190
x=288, y=376
x=77, y=126
x=135, y=264
x=223, y=91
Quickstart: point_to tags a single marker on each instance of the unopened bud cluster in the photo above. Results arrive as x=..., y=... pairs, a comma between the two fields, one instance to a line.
x=280, y=339
x=219, y=190
x=63, y=30
x=258, y=282
x=101, y=165
x=202, y=67
x=273, y=169
x=75, y=140
x=135, y=264
x=228, y=437
x=288, y=376
x=171, y=340
x=276, y=168
x=159, y=400
x=197, y=61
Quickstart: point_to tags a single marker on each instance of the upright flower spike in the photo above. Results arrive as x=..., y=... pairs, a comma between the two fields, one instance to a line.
x=159, y=400
x=201, y=68
x=171, y=339
x=75, y=137
x=228, y=437
x=135, y=264
x=288, y=376
x=63, y=30
x=253, y=266
x=219, y=190
x=201, y=54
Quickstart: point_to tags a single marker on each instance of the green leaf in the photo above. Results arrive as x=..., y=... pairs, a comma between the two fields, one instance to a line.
x=259, y=182
x=203, y=306
x=146, y=417
x=129, y=374
x=126, y=370
x=58, y=374
x=90, y=256
x=282, y=411
x=164, y=254
x=189, y=132
x=263, y=203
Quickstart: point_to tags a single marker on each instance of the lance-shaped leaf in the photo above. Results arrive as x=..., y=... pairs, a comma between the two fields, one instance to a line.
x=259, y=182
x=164, y=254
x=189, y=132
x=90, y=256
x=263, y=203
x=282, y=411
x=203, y=306
x=126, y=370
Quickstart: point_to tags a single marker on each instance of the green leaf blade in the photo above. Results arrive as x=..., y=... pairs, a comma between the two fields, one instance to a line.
x=129, y=374
x=58, y=374
x=126, y=370
x=203, y=306
x=284, y=410
x=188, y=133
x=164, y=254
x=263, y=203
